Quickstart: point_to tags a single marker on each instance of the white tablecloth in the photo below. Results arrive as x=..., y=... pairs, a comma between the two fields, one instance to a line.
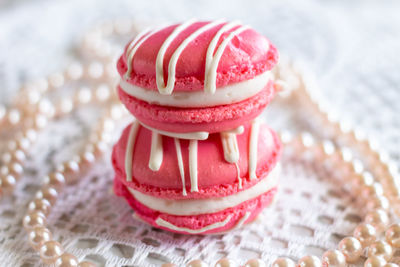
x=353, y=47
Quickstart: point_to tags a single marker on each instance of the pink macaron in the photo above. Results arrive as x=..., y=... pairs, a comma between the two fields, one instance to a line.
x=178, y=186
x=198, y=76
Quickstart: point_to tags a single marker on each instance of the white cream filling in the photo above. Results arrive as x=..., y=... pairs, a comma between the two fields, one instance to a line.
x=187, y=207
x=166, y=224
x=222, y=96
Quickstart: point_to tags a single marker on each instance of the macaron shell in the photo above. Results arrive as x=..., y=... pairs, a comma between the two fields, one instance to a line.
x=209, y=119
x=248, y=54
x=253, y=206
x=216, y=177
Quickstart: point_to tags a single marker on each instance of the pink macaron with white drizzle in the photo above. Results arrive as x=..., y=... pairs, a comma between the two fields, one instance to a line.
x=197, y=77
x=197, y=160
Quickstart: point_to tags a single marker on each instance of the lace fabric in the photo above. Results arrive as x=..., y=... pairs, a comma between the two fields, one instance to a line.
x=351, y=47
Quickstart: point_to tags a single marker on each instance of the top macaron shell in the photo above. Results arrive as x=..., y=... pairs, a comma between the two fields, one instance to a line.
x=247, y=55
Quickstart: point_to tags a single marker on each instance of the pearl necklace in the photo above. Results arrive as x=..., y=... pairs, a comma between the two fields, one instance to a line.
x=31, y=112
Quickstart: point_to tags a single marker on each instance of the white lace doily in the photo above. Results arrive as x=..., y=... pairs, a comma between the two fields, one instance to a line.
x=352, y=48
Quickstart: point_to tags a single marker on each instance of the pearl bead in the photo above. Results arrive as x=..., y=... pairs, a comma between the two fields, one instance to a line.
x=7, y=183
x=70, y=169
x=67, y=260
x=24, y=141
x=365, y=233
x=38, y=235
x=18, y=156
x=4, y=170
x=197, y=263
x=107, y=125
x=30, y=134
x=225, y=262
x=98, y=148
x=56, y=80
x=87, y=158
x=34, y=219
x=380, y=248
x=333, y=258
x=358, y=181
x=75, y=71
x=55, y=180
x=375, y=189
x=378, y=218
x=84, y=95
x=40, y=204
x=14, y=116
x=283, y=262
x=40, y=121
x=286, y=136
x=255, y=263
x=86, y=264
x=95, y=70
x=309, y=261
x=357, y=166
x=366, y=179
x=351, y=248
x=16, y=170
x=65, y=106
x=378, y=202
x=46, y=108
x=375, y=261
x=50, y=251
x=102, y=93
x=117, y=111
x=48, y=193
x=6, y=158
x=393, y=235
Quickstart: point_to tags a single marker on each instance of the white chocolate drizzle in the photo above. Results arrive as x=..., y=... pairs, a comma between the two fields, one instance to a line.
x=231, y=149
x=212, y=59
x=238, y=175
x=169, y=87
x=180, y=164
x=156, y=152
x=134, y=46
x=129, y=150
x=193, y=165
x=253, y=144
x=163, y=223
x=189, y=136
x=242, y=220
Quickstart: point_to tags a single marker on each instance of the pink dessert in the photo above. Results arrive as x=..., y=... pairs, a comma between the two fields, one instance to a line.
x=197, y=160
x=152, y=182
x=210, y=76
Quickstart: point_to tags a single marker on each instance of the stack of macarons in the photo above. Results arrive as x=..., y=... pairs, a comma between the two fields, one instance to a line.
x=196, y=160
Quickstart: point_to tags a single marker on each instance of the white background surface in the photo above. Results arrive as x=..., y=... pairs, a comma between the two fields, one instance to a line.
x=353, y=47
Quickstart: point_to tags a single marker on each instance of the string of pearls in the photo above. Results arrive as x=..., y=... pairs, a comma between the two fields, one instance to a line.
x=380, y=191
x=32, y=111
x=35, y=221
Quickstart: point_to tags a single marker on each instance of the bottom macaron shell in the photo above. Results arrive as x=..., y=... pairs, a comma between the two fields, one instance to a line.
x=223, y=221
x=216, y=176
x=209, y=119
